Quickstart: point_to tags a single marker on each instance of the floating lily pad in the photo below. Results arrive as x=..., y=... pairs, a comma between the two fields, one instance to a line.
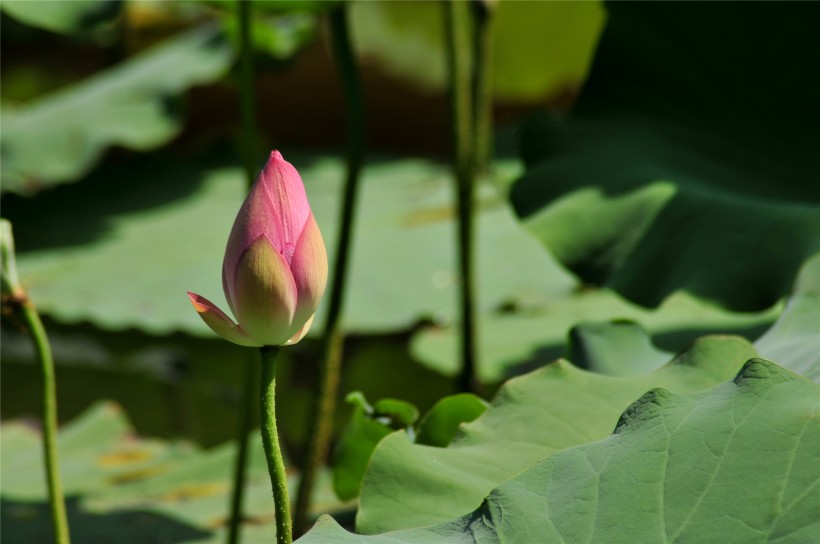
x=127, y=489
x=531, y=417
x=59, y=137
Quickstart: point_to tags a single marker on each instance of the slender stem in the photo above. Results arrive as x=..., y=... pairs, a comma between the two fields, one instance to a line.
x=482, y=84
x=461, y=103
x=59, y=519
x=330, y=371
x=270, y=440
x=247, y=103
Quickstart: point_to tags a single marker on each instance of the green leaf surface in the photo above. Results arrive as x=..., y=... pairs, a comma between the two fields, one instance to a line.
x=367, y=426
x=794, y=339
x=124, y=254
x=279, y=36
x=548, y=410
x=675, y=171
x=736, y=463
x=618, y=348
x=122, y=488
x=353, y=451
x=59, y=137
x=62, y=16
x=440, y=425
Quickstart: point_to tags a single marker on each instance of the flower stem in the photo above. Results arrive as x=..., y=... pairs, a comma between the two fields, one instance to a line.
x=59, y=519
x=247, y=102
x=483, y=12
x=462, y=110
x=270, y=440
x=330, y=371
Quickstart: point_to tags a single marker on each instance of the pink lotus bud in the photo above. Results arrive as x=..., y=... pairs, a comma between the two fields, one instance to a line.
x=275, y=266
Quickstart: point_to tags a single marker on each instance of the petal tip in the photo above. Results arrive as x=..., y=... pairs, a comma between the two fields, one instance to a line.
x=196, y=301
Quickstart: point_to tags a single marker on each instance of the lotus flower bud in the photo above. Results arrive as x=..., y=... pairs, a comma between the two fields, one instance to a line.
x=275, y=267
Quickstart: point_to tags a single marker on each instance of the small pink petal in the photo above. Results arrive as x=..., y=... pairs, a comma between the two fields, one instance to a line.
x=309, y=269
x=220, y=323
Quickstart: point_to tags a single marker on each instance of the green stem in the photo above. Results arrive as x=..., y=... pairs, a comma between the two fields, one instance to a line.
x=330, y=370
x=461, y=104
x=247, y=103
x=55, y=490
x=270, y=440
x=482, y=84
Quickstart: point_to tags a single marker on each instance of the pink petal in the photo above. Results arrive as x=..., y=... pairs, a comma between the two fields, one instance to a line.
x=276, y=207
x=309, y=269
x=264, y=294
x=220, y=323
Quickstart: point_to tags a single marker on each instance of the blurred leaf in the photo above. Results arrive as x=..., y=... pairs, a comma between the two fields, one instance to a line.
x=123, y=254
x=794, y=340
x=127, y=489
x=62, y=16
x=440, y=425
x=540, y=49
x=677, y=170
x=367, y=426
x=531, y=417
x=279, y=7
x=736, y=463
x=512, y=342
x=617, y=348
x=280, y=36
x=58, y=138
x=395, y=413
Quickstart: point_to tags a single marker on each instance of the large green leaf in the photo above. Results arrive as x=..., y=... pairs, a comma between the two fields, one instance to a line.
x=59, y=137
x=677, y=170
x=122, y=254
x=122, y=488
x=733, y=464
x=550, y=409
x=63, y=16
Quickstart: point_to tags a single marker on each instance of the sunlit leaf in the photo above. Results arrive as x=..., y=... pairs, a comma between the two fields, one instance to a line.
x=736, y=463
x=548, y=410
